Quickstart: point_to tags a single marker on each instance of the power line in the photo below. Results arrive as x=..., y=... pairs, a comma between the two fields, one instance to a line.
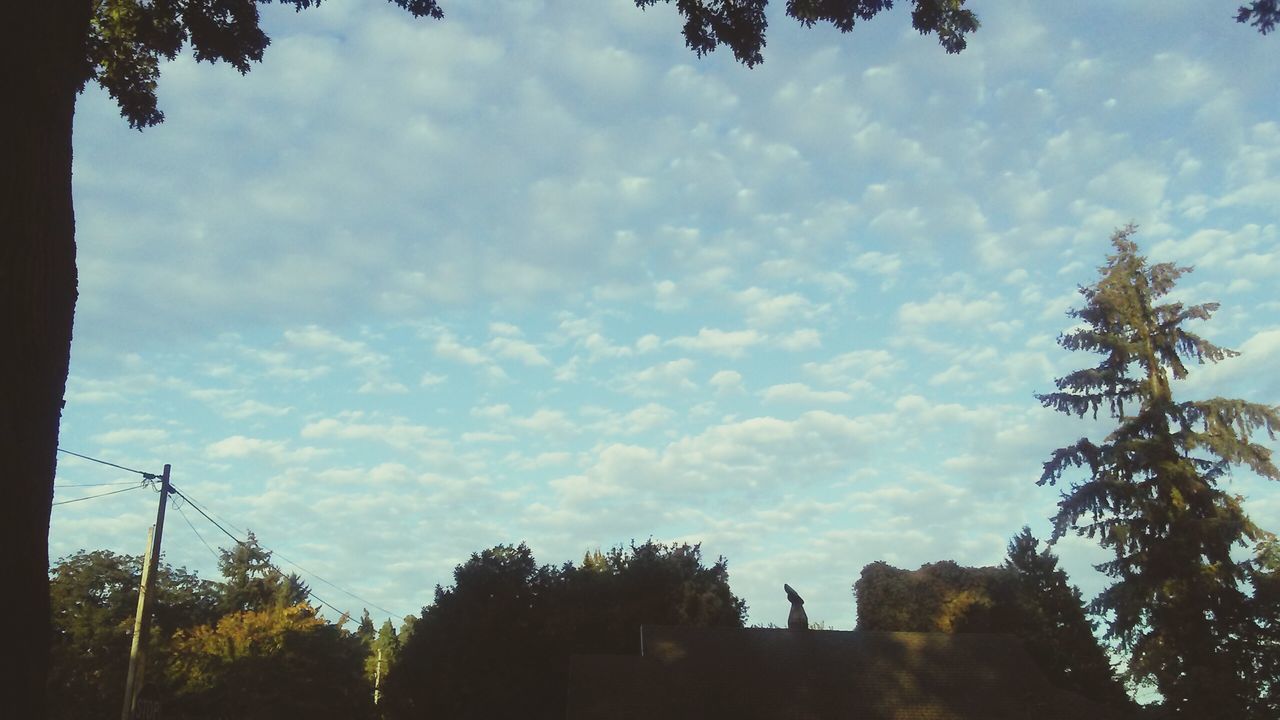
x=194, y=530
x=147, y=475
x=152, y=476
x=284, y=557
x=77, y=485
x=336, y=587
x=179, y=493
x=193, y=504
x=91, y=497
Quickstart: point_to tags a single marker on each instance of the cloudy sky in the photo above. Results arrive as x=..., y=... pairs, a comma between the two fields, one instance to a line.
x=410, y=289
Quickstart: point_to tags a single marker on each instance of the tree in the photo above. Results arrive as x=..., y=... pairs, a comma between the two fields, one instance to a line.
x=497, y=643
x=1152, y=492
x=1053, y=623
x=252, y=582
x=383, y=651
x=1262, y=14
x=1262, y=635
x=1028, y=597
x=278, y=662
x=59, y=47
x=94, y=596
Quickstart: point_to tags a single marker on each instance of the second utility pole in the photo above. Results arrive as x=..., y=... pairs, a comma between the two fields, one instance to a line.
x=142, y=622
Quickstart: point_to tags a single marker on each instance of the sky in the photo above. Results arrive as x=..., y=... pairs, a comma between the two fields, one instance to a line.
x=537, y=273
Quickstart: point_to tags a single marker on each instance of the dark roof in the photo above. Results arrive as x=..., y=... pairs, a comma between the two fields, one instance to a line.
x=705, y=673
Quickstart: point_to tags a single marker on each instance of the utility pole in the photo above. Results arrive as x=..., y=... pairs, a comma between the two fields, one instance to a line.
x=377, y=679
x=142, y=622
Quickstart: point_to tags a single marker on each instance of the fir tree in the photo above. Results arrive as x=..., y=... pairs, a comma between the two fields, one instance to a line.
x=253, y=582
x=1153, y=494
x=1054, y=625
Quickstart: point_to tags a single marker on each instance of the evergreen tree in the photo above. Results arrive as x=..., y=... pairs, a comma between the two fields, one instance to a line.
x=365, y=632
x=383, y=651
x=1152, y=494
x=1054, y=626
x=252, y=582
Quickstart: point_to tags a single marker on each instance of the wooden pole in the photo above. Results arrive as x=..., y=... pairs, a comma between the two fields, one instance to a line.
x=142, y=621
x=377, y=679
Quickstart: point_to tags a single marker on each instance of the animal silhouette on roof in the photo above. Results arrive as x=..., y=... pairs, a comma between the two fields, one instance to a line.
x=797, y=619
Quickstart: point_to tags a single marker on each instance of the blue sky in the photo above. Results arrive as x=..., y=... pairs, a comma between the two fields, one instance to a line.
x=537, y=273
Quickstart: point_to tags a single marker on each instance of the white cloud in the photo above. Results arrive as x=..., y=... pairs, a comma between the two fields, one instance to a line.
x=802, y=394
x=646, y=418
x=132, y=436
x=667, y=296
x=663, y=378
x=952, y=309
x=726, y=382
x=648, y=343
x=856, y=368
x=546, y=422
x=277, y=452
x=887, y=264
x=503, y=329
x=727, y=343
x=800, y=340
x=766, y=309
x=512, y=349
x=318, y=339
x=448, y=347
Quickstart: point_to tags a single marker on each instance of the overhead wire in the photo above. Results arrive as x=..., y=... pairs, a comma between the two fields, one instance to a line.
x=143, y=473
x=214, y=553
x=99, y=495
x=209, y=516
x=284, y=557
x=79, y=485
x=180, y=494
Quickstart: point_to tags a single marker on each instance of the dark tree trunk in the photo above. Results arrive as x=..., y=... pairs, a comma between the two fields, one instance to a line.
x=40, y=62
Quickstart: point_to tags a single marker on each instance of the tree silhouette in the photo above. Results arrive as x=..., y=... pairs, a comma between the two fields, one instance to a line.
x=497, y=643
x=1151, y=493
x=1028, y=597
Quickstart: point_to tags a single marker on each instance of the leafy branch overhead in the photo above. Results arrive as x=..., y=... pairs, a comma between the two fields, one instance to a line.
x=128, y=39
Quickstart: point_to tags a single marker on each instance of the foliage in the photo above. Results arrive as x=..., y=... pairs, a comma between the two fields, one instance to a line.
x=128, y=39
x=939, y=597
x=384, y=648
x=94, y=596
x=252, y=582
x=741, y=25
x=1261, y=637
x=1262, y=14
x=1028, y=597
x=1053, y=623
x=497, y=643
x=271, y=663
x=206, y=657
x=1152, y=492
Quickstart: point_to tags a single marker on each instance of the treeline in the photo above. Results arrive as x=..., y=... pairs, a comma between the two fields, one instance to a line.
x=494, y=644
x=250, y=646
x=497, y=642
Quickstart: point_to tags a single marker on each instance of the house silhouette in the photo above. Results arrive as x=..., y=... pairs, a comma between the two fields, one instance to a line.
x=710, y=673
